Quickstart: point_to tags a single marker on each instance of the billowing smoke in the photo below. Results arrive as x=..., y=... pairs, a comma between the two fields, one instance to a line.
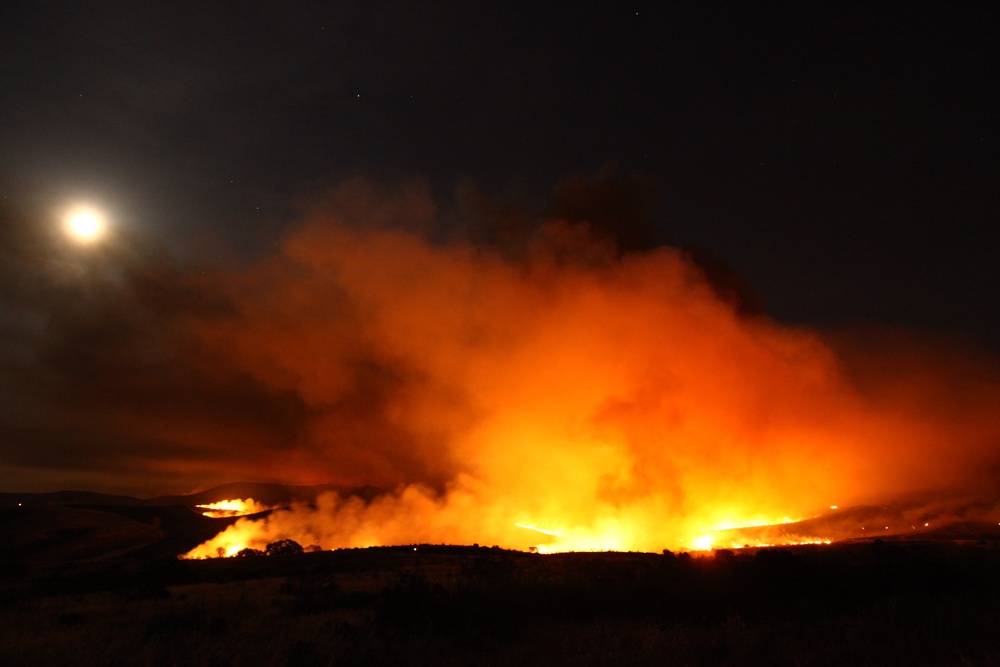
x=568, y=395
x=535, y=385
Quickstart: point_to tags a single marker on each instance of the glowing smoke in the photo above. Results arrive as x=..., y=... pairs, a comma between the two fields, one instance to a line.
x=603, y=400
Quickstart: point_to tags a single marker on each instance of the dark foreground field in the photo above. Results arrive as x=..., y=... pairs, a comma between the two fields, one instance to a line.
x=860, y=604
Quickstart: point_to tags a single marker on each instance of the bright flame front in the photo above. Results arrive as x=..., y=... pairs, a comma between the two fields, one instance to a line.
x=233, y=507
x=416, y=515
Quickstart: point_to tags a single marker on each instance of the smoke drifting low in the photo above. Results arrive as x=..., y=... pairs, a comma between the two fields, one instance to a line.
x=532, y=387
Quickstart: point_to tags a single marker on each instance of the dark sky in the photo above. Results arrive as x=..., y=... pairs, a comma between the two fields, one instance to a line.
x=841, y=157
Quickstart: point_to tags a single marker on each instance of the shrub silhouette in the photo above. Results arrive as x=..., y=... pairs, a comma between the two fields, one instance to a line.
x=283, y=547
x=249, y=553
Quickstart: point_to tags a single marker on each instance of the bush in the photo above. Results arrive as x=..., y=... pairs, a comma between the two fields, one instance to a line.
x=249, y=553
x=283, y=547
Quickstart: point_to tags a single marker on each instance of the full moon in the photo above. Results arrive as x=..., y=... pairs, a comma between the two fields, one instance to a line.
x=85, y=225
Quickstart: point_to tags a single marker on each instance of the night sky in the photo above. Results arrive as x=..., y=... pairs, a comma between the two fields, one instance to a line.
x=839, y=161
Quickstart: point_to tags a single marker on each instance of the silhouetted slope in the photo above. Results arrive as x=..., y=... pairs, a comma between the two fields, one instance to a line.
x=58, y=498
x=80, y=525
x=267, y=494
x=181, y=527
x=55, y=534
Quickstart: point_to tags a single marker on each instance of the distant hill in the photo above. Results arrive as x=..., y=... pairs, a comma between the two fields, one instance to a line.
x=59, y=498
x=267, y=494
x=65, y=526
x=58, y=534
x=960, y=531
x=875, y=522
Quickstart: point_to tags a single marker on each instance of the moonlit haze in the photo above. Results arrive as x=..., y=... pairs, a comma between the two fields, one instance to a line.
x=85, y=224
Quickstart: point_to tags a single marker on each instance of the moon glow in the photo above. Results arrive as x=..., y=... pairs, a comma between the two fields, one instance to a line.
x=85, y=225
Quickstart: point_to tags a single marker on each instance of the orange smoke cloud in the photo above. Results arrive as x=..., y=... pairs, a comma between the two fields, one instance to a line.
x=523, y=383
x=556, y=393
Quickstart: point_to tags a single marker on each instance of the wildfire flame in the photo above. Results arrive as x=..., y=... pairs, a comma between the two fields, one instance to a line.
x=543, y=531
x=234, y=507
x=614, y=399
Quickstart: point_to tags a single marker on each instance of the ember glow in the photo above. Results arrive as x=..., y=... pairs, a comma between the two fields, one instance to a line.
x=569, y=397
x=235, y=507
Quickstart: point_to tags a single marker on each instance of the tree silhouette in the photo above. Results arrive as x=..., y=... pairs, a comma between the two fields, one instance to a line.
x=282, y=547
x=249, y=553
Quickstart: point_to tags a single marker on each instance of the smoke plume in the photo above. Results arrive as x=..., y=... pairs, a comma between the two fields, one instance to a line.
x=548, y=390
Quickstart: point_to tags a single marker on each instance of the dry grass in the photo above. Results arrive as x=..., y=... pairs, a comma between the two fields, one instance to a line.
x=488, y=608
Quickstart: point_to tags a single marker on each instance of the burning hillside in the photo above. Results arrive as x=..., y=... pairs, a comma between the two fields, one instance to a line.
x=552, y=392
x=233, y=507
